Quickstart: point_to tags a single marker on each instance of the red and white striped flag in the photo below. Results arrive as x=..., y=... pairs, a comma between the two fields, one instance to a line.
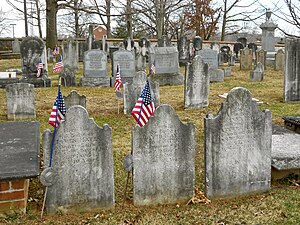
x=56, y=51
x=144, y=108
x=153, y=68
x=118, y=82
x=58, y=110
x=39, y=68
x=58, y=66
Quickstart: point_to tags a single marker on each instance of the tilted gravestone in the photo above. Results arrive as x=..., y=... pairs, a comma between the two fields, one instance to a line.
x=258, y=73
x=95, y=69
x=70, y=54
x=280, y=60
x=75, y=99
x=246, y=59
x=210, y=57
x=166, y=65
x=292, y=72
x=163, y=159
x=82, y=167
x=20, y=101
x=133, y=91
x=19, y=150
x=196, y=89
x=237, y=147
x=126, y=61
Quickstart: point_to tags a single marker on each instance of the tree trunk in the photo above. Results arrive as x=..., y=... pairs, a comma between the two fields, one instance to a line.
x=160, y=19
x=51, y=26
x=38, y=12
x=129, y=20
x=108, y=27
x=224, y=21
x=76, y=18
x=25, y=18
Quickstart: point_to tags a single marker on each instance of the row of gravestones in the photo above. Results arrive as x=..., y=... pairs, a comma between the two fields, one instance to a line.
x=237, y=157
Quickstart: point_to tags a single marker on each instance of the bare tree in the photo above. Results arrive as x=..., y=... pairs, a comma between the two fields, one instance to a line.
x=236, y=11
x=3, y=22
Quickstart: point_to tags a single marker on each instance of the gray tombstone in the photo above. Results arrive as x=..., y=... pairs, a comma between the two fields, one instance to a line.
x=132, y=91
x=285, y=153
x=261, y=56
x=75, y=99
x=196, y=89
x=280, y=60
x=70, y=54
x=258, y=73
x=292, y=72
x=20, y=150
x=95, y=69
x=197, y=44
x=237, y=147
x=183, y=46
x=68, y=77
x=82, y=167
x=20, y=101
x=50, y=55
x=166, y=65
x=227, y=71
x=268, y=37
x=215, y=46
x=163, y=159
x=16, y=46
x=32, y=49
x=246, y=59
x=231, y=61
x=126, y=61
x=210, y=57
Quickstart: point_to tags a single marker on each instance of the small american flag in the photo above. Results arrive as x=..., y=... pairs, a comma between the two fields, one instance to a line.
x=58, y=110
x=56, y=51
x=58, y=66
x=39, y=68
x=144, y=108
x=153, y=68
x=118, y=81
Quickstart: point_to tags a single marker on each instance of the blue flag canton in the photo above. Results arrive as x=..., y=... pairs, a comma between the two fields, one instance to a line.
x=61, y=104
x=146, y=94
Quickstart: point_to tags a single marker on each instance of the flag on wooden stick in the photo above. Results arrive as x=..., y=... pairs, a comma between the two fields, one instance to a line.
x=58, y=66
x=144, y=108
x=58, y=110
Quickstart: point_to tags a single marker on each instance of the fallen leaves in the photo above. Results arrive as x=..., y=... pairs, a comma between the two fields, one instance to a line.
x=199, y=197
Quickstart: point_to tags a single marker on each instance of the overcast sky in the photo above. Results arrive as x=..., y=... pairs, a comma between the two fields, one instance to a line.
x=19, y=27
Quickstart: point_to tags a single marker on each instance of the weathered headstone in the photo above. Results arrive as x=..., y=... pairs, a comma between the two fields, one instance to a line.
x=231, y=61
x=68, y=78
x=246, y=59
x=196, y=89
x=227, y=71
x=280, y=60
x=261, y=56
x=132, y=91
x=82, y=167
x=225, y=54
x=141, y=54
x=285, y=153
x=292, y=72
x=268, y=38
x=75, y=99
x=258, y=73
x=238, y=147
x=210, y=57
x=166, y=65
x=95, y=69
x=70, y=54
x=50, y=55
x=183, y=46
x=20, y=150
x=197, y=45
x=20, y=101
x=237, y=47
x=163, y=159
x=126, y=61
x=292, y=123
x=16, y=46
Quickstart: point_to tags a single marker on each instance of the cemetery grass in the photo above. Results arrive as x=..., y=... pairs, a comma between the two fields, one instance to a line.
x=281, y=205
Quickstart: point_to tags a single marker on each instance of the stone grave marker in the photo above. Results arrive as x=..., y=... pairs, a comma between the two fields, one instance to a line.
x=70, y=54
x=19, y=150
x=68, y=78
x=237, y=147
x=280, y=60
x=75, y=99
x=82, y=167
x=197, y=45
x=237, y=47
x=20, y=101
x=261, y=56
x=126, y=61
x=163, y=159
x=16, y=46
x=166, y=65
x=183, y=46
x=227, y=71
x=292, y=72
x=285, y=153
x=132, y=91
x=196, y=89
x=95, y=69
x=246, y=59
x=258, y=73
x=292, y=123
